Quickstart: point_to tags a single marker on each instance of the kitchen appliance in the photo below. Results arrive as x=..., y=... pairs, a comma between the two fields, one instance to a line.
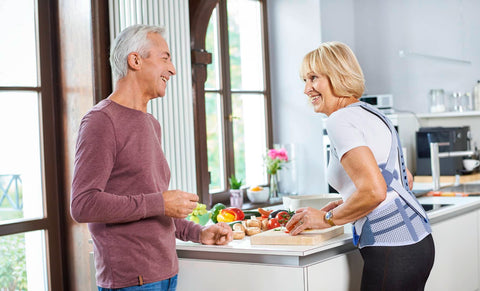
x=450, y=139
x=383, y=102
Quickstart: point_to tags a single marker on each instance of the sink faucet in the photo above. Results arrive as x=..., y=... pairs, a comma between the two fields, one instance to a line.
x=435, y=156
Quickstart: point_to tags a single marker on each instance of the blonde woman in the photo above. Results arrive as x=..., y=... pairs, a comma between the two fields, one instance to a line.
x=391, y=229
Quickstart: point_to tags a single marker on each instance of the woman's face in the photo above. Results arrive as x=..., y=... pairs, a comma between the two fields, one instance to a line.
x=319, y=92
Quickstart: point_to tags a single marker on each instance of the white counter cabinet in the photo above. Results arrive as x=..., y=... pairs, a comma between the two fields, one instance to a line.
x=342, y=271
x=234, y=276
x=456, y=264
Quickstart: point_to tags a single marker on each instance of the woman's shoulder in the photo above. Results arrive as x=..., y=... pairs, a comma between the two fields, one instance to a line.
x=346, y=115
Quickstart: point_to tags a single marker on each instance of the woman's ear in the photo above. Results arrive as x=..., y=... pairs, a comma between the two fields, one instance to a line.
x=134, y=61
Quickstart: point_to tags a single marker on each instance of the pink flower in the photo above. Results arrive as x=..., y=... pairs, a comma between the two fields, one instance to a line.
x=274, y=160
x=281, y=154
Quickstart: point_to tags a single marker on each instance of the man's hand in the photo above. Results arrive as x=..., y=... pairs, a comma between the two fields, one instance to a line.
x=216, y=234
x=179, y=204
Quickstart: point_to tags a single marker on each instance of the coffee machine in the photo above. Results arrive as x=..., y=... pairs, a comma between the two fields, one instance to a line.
x=450, y=139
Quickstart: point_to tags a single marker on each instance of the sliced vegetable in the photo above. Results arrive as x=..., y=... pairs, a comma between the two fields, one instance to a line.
x=273, y=223
x=273, y=214
x=264, y=212
x=283, y=217
x=250, y=213
x=216, y=210
x=239, y=215
x=225, y=216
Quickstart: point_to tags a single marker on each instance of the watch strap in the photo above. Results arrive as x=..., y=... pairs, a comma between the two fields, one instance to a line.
x=329, y=218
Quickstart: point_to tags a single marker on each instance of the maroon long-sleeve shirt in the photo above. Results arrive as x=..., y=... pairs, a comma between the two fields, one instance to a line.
x=119, y=176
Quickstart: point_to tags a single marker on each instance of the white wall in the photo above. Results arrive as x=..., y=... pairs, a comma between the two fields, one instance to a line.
x=448, y=28
x=293, y=31
x=376, y=30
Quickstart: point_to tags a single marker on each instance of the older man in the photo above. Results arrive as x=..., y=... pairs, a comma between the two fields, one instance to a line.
x=121, y=175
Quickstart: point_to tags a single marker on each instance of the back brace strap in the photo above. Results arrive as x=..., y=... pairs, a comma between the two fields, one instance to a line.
x=394, y=223
x=393, y=183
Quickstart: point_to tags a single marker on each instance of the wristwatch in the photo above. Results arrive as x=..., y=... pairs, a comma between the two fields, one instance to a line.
x=329, y=218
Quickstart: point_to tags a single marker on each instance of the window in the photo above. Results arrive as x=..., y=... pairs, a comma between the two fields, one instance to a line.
x=237, y=100
x=29, y=226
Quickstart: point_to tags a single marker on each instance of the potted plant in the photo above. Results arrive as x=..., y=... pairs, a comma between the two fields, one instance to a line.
x=236, y=195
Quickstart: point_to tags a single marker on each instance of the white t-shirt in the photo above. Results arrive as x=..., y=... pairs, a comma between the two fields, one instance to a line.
x=351, y=127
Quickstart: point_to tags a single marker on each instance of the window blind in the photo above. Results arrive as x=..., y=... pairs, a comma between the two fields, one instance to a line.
x=175, y=110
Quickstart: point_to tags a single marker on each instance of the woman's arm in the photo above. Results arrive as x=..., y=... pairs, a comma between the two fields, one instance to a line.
x=362, y=168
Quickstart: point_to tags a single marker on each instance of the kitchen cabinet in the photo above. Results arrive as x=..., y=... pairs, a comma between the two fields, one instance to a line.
x=343, y=271
x=456, y=253
x=235, y=276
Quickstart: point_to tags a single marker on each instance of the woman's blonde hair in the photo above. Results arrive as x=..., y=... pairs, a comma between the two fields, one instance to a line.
x=338, y=63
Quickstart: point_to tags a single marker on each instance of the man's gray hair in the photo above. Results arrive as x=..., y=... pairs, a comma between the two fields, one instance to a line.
x=131, y=39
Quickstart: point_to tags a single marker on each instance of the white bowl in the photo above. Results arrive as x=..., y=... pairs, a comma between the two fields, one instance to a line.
x=258, y=196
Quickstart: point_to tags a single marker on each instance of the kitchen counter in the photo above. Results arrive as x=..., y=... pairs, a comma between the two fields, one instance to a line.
x=310, y=265
x=243, y=251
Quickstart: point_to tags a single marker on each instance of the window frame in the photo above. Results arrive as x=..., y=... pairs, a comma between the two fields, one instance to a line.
x=50, y=145
x=200, y=15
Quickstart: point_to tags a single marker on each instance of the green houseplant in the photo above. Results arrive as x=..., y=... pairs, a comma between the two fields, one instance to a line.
x=235, y=184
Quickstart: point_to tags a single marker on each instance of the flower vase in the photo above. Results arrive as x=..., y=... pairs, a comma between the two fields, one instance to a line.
x=274, y=196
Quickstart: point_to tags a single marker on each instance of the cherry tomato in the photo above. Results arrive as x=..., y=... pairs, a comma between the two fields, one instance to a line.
x=283, y=217
x=273, y=223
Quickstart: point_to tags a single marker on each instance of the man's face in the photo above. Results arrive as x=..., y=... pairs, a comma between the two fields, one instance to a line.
x=157, y=67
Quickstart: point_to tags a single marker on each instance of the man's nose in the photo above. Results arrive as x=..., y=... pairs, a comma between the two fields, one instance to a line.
x=172, y=70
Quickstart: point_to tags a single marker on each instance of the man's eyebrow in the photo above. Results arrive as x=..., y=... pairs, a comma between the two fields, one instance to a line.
x=166, y=53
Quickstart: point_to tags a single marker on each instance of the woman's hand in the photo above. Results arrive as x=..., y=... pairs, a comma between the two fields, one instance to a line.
x=332, y=205
x=410, y=179
x=306, y=218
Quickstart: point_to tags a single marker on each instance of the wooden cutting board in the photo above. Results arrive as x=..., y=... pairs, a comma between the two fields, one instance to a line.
x=308, y=237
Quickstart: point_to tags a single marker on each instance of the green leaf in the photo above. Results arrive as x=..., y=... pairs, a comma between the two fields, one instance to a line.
x=234, y=182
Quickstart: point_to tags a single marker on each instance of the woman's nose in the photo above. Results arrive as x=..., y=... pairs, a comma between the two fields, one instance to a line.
x=308, y=88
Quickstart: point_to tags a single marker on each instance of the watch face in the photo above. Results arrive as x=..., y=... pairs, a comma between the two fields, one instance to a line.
x=328, y=216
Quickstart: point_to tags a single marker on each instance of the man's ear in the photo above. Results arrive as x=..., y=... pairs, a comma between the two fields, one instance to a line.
x=134, y=61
